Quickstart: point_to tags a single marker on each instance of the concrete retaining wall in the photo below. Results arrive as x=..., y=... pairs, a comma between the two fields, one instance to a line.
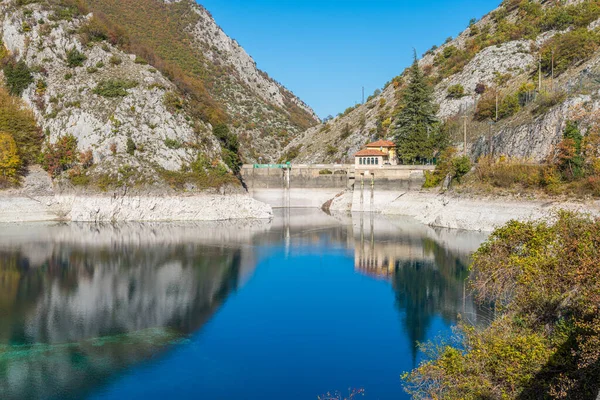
x=313, y=185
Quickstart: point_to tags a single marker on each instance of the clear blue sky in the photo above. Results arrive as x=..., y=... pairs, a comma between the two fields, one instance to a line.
x=326, y=50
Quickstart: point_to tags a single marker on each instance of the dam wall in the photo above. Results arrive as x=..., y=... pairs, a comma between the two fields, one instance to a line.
x=311, y=186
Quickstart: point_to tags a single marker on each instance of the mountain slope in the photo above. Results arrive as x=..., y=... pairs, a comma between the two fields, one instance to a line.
x=182, y=39
x=148, y=89
x=496, y=55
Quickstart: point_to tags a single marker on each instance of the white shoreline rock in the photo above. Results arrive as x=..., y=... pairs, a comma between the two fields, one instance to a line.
x=478, y=213
x=475, y=213
x=131, y=208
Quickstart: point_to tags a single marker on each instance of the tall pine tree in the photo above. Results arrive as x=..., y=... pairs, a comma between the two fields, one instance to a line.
x=416, y=130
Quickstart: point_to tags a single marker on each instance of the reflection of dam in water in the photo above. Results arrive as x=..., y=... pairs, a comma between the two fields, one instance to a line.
x=81, y=302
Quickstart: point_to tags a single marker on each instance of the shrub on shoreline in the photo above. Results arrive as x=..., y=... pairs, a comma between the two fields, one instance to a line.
x=544, y=279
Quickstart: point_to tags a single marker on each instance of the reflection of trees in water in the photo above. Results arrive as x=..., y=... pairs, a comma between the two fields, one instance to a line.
x=426, y=288
x=86, y=312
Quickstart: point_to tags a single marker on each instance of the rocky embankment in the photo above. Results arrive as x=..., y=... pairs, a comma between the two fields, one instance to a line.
x=461, y=212
x=37, y=201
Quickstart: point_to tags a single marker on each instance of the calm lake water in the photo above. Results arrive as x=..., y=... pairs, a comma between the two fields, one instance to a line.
x=284, y=309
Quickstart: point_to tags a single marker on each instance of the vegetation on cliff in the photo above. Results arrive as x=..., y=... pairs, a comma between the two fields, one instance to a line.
x=20, y=138
x=572, y=169
x=544, y=282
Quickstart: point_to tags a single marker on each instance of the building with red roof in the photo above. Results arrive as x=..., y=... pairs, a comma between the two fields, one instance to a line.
x=376, y=155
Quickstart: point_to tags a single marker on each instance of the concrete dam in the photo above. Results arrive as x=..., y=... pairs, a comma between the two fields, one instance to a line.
x=311, y=186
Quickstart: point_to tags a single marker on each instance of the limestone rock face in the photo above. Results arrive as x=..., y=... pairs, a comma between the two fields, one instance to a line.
x=70, y=104
x=508, y=58
x=65, y=98
x=222, y=48
x=267, y=113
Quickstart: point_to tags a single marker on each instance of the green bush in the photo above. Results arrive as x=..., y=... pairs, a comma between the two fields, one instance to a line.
x=18, y=77
x=570, y=48
x=131, y=146
x=290, y=154
x=546, y=100
x=201, y=173
x=115, y=60
x=460, y=167
x=75, y=58
x=456, y=91
x=508, y=106
x=173, y=102
x=231, y=147
x=331, y=150
x=173, y=143
x=114, y=88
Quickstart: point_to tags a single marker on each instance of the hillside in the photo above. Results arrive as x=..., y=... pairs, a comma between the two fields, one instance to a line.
x=134, y=93
x=496, y=56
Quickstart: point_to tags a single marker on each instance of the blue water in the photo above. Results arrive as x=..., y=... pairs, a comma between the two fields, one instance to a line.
x=293, y=308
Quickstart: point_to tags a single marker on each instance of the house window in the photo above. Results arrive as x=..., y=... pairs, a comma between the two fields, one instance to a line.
x=360, y=161
x=377, y=161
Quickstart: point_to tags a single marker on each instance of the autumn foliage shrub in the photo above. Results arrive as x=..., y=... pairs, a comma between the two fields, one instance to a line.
x=19, y=122
x=508, y=172
x=544, y=279
x=60, y=156
x=10, y=162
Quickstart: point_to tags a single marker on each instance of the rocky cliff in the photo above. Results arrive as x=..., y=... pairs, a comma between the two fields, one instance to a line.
x=496, y=55
x=142, y=85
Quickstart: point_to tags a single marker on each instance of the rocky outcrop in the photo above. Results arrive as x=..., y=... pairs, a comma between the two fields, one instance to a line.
x=222, y=49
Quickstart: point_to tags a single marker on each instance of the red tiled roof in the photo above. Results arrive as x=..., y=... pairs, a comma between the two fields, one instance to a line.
x=382, y=143
x=370, y=153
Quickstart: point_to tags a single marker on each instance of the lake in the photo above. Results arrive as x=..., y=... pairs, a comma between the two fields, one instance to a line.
x=291, y=308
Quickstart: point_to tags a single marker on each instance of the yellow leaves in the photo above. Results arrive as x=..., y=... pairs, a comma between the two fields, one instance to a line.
x=3, y=50
x=10, y=162
x=20, y=123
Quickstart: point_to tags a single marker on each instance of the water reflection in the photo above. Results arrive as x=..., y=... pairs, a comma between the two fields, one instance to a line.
x=80, y=303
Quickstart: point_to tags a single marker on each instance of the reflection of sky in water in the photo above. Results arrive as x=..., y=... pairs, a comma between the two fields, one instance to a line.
x=291, y=308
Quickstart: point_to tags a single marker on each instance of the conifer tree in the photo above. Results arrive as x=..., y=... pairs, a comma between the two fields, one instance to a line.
x=416, y=129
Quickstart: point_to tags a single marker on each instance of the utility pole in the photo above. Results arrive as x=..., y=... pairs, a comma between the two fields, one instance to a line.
x=465, y=131
x=552, y=79
x=497, y=106
x=540, y=73
x=363, y=95
x=490, y=151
